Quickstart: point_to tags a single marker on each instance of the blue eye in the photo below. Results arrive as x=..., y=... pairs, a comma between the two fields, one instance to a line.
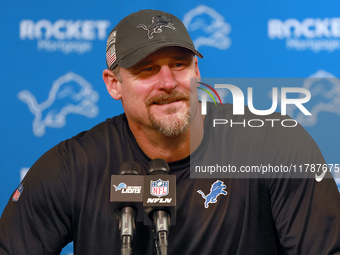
x=148, y=69
x=180, y=66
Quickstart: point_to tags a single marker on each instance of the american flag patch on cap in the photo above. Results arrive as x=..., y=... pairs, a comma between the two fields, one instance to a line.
x=111, y=56
x=111, y=49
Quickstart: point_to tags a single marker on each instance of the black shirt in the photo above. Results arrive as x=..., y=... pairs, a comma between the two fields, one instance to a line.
x=65, y=196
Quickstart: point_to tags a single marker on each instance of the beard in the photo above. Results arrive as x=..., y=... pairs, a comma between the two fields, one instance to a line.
x=171, y=124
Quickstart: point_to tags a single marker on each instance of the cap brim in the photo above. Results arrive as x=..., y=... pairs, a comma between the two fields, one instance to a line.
x=141, y=53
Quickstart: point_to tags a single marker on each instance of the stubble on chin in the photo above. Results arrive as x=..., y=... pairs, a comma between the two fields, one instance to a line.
x=172, y=123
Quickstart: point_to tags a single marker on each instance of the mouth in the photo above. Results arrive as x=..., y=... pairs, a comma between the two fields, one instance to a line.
x=167, y=99
x=167, y=102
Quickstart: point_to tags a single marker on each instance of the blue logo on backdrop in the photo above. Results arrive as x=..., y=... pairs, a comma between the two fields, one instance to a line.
x=70, y=93
x=325, y=89
x=207, y=28
x=67, y=36
x=217, y=188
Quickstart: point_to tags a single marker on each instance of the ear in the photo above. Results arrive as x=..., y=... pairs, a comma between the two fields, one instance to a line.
x=197, y=70
x=112, y=84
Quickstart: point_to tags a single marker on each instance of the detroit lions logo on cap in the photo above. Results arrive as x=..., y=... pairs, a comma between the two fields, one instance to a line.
x=217, y=188
x=158, y=22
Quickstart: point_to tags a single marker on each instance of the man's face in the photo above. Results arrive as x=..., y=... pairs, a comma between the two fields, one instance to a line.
x=155, y=92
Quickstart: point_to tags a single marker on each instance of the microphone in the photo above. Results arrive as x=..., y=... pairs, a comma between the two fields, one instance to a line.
x=126, y=199
x=160, y=201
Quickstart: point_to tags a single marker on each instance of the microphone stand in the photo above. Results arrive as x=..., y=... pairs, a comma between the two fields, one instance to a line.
x=161, y=221
x=126, y=229
x=125, y=205
x=162, y=214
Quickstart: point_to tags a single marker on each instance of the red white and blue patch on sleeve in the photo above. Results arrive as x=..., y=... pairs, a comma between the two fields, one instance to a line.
x=17, y=193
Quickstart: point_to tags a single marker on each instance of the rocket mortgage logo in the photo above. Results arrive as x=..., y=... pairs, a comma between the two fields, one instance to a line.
x=280, y=98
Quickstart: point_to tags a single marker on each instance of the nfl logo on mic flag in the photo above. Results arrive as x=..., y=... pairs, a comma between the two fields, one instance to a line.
x=159, y=188
x=159, y=194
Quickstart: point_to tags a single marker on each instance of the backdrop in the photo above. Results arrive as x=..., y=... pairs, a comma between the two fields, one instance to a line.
x=53, y=55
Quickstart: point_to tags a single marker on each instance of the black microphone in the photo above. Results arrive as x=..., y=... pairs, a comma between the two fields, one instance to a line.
x=126, y=201
x=160, y=201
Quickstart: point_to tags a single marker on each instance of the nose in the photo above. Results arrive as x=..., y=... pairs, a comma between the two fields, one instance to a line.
x=167, y=81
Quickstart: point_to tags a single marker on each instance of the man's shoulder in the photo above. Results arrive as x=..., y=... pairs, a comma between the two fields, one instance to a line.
x=98, y=138
x=113, y=126
x=89, y=147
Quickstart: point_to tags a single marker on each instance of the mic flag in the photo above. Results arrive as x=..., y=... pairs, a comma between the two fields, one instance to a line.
x=127, y=190
x=159, y=191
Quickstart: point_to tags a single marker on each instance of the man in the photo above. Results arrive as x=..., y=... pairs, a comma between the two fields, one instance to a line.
x=151, y=58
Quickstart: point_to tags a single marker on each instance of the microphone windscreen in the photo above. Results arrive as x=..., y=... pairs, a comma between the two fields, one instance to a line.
x=130, y=168
x=158, y=166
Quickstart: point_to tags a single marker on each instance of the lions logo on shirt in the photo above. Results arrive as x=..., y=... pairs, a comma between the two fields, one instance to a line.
x=217, y=188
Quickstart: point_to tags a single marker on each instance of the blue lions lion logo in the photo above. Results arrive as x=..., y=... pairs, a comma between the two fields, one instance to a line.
x=217, y=188
x=120, y=186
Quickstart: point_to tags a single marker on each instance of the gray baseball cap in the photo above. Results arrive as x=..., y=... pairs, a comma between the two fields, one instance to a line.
x=142, y=33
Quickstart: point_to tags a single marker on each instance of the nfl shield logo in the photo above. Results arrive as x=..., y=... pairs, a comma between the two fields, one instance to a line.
x=17, y=193
x=159, y=188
